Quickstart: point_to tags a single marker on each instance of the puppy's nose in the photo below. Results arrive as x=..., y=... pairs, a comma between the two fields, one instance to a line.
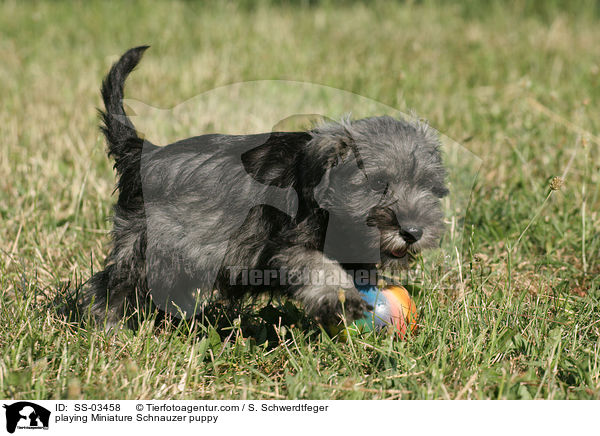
x=411, y=234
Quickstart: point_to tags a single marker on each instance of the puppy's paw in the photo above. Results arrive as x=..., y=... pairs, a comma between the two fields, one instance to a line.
x=327, y=304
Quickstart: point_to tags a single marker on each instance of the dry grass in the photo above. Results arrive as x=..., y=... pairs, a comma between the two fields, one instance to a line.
x=519, y=89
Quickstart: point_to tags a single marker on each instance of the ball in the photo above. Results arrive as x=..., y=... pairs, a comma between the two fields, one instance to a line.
x=393, y=310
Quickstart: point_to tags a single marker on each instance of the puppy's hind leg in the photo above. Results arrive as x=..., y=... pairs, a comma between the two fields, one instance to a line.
x=104, y=307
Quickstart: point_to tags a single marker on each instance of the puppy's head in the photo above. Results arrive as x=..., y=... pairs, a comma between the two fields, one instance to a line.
x=383, y=183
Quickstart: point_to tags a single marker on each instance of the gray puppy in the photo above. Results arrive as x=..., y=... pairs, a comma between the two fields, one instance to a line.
x=305, y=214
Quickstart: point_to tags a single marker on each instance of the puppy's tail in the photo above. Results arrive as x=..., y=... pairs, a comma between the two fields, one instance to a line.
x=123, y=141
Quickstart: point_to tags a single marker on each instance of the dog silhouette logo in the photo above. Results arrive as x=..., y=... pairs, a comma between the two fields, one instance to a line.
x=26, y=415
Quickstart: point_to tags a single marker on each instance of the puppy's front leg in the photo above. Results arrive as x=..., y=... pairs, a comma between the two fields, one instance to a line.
x=318, y=283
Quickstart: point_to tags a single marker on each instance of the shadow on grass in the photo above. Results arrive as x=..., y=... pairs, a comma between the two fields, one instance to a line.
x=260, y=319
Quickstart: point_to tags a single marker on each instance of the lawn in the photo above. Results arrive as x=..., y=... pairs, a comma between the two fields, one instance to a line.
x=512, y=311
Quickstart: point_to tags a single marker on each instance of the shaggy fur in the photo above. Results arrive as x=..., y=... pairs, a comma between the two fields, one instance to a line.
x=203, y=213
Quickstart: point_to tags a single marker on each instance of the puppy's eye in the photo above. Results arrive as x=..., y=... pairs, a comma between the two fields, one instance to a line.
x=440, y=191
x=379, y=184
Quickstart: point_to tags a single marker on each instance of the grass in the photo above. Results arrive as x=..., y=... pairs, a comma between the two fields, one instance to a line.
x=517, y=85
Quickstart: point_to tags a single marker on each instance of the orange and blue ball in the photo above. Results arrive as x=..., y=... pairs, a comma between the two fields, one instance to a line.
x=393, y=309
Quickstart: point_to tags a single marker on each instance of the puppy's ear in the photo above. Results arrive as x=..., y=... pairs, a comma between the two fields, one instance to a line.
x=321, y=191
x=330, y=143
x=276, y=162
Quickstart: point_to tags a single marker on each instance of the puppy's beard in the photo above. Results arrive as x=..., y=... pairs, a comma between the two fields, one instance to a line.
x=395, y=252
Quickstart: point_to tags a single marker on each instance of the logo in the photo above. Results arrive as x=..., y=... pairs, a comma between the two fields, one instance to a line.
x=26, y=415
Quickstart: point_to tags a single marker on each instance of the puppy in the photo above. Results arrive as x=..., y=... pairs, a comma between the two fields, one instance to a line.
x=311, y=215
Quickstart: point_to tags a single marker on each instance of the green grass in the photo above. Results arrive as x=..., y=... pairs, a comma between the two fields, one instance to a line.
x=518, y=85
